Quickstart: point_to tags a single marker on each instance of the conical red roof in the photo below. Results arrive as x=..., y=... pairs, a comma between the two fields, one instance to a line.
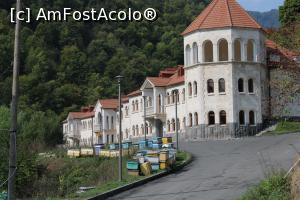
x=222, y=13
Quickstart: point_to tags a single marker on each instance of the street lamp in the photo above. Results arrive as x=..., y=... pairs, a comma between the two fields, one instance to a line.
x=145, y=127
x=176, y=120
x=119, y=79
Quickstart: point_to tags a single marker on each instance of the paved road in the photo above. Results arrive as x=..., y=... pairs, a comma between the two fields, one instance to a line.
x=222, y=170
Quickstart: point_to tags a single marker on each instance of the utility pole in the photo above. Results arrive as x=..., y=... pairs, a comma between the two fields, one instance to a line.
x=119, y=78
x=145, y=125
x=176, y=120
x=14, y=111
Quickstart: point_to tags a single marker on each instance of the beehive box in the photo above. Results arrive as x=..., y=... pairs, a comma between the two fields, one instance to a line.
x=163, y=156
x=164, y=165
x=114, y=154
x=152, y=159
x=132, y=165
x=157, y=140
x=114, y=146
x=156, y=146
x=146, y=168
x=166, y=140
x=105, y=153
x=126, y=145
x=73, y=153
x=86, y=152
x=155, y=166
x=133, y=172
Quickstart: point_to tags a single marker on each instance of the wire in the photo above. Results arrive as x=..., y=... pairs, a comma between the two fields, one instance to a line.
x=9, y=177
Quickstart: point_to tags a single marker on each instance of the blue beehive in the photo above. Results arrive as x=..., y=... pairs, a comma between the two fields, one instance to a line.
x=126, y=145
x=150, y=143
x=157, y=146
x=114, y=146
x=157, y=140
x=143, y=144
x=133, y=165
x=155, y=167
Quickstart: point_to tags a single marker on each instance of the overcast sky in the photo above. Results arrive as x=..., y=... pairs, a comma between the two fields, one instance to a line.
x=260, y=5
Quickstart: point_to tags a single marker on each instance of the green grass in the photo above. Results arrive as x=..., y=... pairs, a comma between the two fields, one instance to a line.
x=276, y=187
x=286, y=127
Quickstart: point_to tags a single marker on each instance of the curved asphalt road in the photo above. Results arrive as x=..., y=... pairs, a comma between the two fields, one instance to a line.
x=222, y=170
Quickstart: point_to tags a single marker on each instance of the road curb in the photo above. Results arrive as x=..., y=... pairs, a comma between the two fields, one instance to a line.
x=142, y=182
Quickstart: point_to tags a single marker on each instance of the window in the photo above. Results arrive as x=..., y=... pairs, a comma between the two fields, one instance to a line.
x=173, y=125
x=241, y=85
x=223, y=117
x=150, y=128
x=210, y=86
x=133, y=130
x=183, y=95
x=208, y=51
x=112, y=138
x=126, y=110
x=237, y=50
x=133, y=106
x=250, y=51
x=169, y=126
x=196, y=119
x=195, y=53
x=195, y=88
x=142, y=129
x=191, y=119
x=150, y=102
x=168, y=98
x=221, y=85
x=211, y=118
x=188, y=55
x=137, y=130
x=112, y=122
x=223, y=50
x=173, y=96
x=107, y=122
x=251, y=118
x=250, y=86
x=136, y=105
x=146, y=128
x=190, y=89
x=242, y=117
x=184, y=122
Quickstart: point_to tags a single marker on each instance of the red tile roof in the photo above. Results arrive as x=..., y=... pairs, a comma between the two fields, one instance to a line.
x=81, y=115
x=159, y=81
x=135, y=93
x=220, y=14
x=109, y=103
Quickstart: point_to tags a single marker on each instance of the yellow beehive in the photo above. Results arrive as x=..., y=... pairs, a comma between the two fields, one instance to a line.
x=164, y=165
x=114, y=154
x=146, y=168
x=86, y=152
x=133, y=172
x=166, y=140
x=74, y=153
x=125, y=152
x=163, y=156
x=104, y=153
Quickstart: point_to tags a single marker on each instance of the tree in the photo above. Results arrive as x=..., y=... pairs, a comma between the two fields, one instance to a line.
x=289, y=12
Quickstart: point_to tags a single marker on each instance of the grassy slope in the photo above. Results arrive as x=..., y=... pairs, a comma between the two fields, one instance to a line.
x=275, y=187
x=286, y=127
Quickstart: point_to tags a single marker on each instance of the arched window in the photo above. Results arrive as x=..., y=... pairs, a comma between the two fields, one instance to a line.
x=173, y=125
x=221, y=85
x=107, y=122
x=99, y=118
x=146, y=128
x=237, y=50
x=183, y=94
x=241, y=85
x=169, y=126
x=242, y=117
x=142, y=129
x=195, y=88
x=133, y=106
x=251, y=118
x=133, y=130
x=173, y=96
x=195, y=53
x=126, y=111
x=184, y=122
x=191, y=119
x=250, y=51
x=208, y=51
x=160, y=104
x=223, y=117
x=196, y=119
x=190, y=89
x=211, y=118
x=223, y=50
x=210, y=86
x=250, y=86
x=168, y=98
x=112, y=122
x=136, y=105
x=188, y=55
x=137, y=129
x=150, y=101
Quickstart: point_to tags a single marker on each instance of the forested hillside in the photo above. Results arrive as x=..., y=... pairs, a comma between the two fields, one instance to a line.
x=65, y=65
x=268, y=19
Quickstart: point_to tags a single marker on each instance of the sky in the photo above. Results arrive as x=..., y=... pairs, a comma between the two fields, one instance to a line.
x=260, y=5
